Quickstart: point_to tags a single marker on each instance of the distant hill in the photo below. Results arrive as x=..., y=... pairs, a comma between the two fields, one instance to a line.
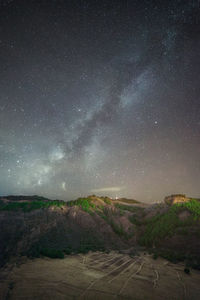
x=130, y=201
x=24, y=198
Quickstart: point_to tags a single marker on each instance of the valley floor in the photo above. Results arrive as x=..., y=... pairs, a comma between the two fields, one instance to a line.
x=99, y=276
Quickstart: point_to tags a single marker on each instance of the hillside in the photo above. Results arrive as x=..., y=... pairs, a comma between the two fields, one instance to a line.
x=33, y=226
x=36, y=226
x=101, y=248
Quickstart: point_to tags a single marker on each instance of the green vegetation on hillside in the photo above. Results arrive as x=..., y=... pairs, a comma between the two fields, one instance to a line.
x=127, y=207
x=85, y=203
x=90, y=243
x=118, y=229
x=107, y=215
x=36, y=202
x=135, y=220
x=52, y=253
x=60, y=241
x=29, y=205
x=193, y=206
x=106, y=200
x=161, y=226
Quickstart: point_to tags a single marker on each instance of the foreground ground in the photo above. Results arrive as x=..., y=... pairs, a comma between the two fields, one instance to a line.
x=99, y=276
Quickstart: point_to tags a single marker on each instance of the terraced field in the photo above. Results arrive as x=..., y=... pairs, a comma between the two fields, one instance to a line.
x=99, y=276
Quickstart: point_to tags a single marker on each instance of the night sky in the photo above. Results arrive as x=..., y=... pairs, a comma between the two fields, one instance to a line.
x=100, y=97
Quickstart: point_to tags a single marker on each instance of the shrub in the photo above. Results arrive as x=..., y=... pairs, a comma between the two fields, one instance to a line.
x=187, y=271
x=170, y=255
x=134, y=219
x=155, y=256
x=52, y=253
x=68, y=250
x=90, y=243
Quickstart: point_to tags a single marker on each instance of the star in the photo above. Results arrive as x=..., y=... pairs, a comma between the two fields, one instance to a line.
x=107, y=102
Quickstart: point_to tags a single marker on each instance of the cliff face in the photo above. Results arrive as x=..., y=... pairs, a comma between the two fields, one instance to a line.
x=62, y=228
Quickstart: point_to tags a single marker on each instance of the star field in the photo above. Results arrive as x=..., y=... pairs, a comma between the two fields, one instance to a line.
x=100, y=97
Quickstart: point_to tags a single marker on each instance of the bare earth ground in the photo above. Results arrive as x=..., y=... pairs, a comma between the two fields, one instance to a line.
x=99, y=276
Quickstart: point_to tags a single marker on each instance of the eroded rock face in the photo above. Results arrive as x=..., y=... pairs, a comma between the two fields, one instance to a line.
x=20, y=230
x=178, y=198
x=184, y=215
x=56, y=227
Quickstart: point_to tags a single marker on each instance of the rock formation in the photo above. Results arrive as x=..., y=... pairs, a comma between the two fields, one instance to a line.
x=177, y=198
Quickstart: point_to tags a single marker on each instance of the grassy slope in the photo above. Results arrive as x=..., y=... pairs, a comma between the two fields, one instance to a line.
x=167, y=225
x=161, y=226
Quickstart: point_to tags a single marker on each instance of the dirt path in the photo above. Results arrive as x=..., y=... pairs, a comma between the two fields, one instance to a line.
x=99, y=276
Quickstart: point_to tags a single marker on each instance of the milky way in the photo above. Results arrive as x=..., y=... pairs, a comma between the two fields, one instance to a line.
x=100, y=97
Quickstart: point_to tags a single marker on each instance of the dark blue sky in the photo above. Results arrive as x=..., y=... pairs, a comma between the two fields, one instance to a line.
x=100, y=97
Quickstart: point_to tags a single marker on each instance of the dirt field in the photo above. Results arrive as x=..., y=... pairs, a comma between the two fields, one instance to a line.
x=99, y=276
